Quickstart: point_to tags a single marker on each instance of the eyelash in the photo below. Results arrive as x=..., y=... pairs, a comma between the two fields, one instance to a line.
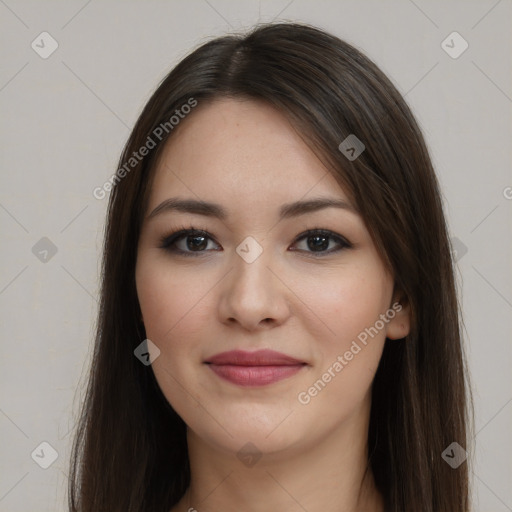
x=167, y=241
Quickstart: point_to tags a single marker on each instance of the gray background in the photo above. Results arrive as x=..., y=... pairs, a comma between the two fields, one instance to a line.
x=66, y=117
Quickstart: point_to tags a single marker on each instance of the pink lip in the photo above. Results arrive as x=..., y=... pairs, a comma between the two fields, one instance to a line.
x=254, y=368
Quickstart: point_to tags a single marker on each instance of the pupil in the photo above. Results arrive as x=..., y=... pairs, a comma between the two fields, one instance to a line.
x=322, y=245
x=201, y=245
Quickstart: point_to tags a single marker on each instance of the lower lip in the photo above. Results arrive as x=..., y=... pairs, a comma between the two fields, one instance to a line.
x=254, y=375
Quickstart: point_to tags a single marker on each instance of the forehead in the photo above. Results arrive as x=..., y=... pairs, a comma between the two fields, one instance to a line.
x=239, y=151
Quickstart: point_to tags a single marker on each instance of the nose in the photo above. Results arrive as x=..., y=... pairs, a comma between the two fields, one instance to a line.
x=253, y=295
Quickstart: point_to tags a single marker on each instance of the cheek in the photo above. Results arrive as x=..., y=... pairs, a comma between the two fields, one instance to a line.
x=172, y=302
x=349, y=306
x=175, y=306
x=343, y=303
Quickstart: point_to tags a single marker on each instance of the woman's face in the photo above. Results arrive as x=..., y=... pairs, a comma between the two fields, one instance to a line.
x=256, y=280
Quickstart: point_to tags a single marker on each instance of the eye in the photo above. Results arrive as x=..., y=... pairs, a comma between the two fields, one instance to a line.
x=186, y=242
x=195, y=242
x=319, y=240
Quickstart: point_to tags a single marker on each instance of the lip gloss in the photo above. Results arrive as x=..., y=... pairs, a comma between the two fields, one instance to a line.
x=254, y=368
x=255, y=375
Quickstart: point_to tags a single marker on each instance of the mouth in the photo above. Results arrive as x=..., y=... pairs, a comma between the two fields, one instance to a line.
x=254, y=368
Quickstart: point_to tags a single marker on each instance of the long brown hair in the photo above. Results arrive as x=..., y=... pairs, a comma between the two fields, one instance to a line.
x=130, y=449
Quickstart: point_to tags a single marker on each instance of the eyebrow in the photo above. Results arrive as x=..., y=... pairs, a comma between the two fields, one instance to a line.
x=286, y=211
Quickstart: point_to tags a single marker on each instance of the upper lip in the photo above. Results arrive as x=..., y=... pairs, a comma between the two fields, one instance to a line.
x=257, y=358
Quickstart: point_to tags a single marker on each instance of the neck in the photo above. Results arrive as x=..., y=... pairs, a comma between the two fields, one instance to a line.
x=327, y=476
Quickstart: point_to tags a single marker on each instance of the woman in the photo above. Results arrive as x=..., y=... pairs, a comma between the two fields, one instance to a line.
x=279, y=328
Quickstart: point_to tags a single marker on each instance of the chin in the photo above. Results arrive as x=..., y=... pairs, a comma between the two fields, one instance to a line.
x=268, y=430
x=251, y=441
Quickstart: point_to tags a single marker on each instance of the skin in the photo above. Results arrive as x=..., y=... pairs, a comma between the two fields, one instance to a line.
x=246, y=156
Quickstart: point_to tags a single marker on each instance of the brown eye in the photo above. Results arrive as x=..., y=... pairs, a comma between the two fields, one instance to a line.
x=187, y=242
x=319, y=240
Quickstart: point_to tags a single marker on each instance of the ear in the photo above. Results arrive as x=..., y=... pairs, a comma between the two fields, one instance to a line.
x=399, y=313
